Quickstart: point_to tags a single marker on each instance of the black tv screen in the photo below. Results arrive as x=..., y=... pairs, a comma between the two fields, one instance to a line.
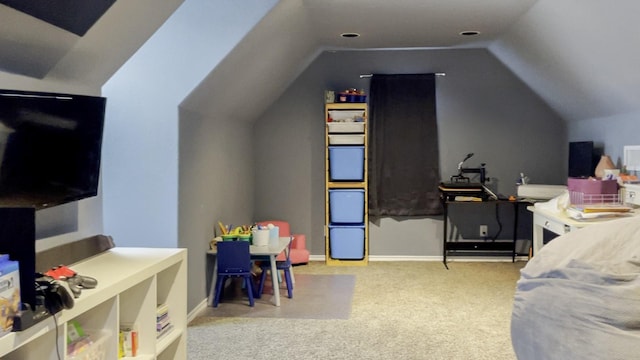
x=50, y=147
x=581, y=159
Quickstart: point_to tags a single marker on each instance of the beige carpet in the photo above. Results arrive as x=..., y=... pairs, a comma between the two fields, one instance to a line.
x=400, y=310
x=314, y=297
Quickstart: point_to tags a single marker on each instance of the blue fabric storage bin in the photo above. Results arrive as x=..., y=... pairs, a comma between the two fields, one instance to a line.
x=346, y=242
x=346, y=163
x=346, y=206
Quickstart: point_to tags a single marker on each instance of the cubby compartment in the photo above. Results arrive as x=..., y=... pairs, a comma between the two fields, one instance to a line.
x=137, y=307
x=46, y=345
x=98, y=347
x=347, y=242
x=100, y=322
x=346, y=163
x=170, y=287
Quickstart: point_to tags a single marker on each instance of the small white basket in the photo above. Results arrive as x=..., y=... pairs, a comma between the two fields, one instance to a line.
x=580, y=198
x=351, y=139
x=346, y=127
x=346, y=115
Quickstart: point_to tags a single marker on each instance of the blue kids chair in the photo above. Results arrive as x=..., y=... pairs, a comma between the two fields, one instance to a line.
x=234, y=260
x=284, y=265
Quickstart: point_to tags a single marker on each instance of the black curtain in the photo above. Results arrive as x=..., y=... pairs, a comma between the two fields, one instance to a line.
x=404, y=166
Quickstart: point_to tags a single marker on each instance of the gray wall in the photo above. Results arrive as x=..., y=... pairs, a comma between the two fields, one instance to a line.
x=216, y=184
x=609, y=134
x=482, y=108
x=147, y=143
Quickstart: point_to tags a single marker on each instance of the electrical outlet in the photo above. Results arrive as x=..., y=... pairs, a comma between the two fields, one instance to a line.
x=484, y=231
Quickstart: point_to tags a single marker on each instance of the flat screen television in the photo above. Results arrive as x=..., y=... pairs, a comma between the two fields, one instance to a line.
x=50, y=147
x=582, y=160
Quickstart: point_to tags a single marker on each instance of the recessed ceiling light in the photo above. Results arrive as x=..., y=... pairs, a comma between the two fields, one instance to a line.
x=350, y=35
x=469, y=32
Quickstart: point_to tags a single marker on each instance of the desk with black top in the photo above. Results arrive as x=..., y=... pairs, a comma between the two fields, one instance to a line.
x=475, y=247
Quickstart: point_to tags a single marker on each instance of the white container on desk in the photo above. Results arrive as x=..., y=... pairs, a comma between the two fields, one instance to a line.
x=261, y=237
x=274, y=236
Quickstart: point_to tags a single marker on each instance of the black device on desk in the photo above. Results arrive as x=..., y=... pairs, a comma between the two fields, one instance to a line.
x=460, y=187
x=462, y=171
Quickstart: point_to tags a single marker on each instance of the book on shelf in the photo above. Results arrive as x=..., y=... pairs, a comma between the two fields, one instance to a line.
x=163, y=320
x=128, y=339
x=162, y=324
x=162, y=309
x=75, y=331
x=164, y=331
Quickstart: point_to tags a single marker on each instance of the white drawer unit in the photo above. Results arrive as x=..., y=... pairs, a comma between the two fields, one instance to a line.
x=346, y=115
x=631, y=194
x=346, y=127
x=553, y=225
x=558, y=223
x=346, y=139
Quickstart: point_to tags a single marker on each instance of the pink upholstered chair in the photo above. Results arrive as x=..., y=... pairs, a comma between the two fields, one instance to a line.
x=299, y=253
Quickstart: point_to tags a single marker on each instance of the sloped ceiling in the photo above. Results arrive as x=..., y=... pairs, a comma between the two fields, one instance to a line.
x=31, y=46
x=580, y=56
x=74, y=16
x=287, y=40
x=76, y=41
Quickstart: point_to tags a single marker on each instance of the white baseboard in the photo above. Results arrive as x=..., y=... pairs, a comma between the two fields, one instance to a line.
x=200, y=308
x=404, y=258
x=432, y=258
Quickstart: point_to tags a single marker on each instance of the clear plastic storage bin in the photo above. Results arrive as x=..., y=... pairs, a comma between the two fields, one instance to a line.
x=92, y=347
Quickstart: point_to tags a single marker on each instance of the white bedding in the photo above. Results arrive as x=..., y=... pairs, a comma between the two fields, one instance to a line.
x=579, y=297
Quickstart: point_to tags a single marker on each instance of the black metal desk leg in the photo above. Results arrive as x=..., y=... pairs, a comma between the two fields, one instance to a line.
x=444, y=234
x=515, y=230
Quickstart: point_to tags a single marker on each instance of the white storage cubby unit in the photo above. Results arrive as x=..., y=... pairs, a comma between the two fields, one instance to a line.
x=346, y=215
x=132, y=282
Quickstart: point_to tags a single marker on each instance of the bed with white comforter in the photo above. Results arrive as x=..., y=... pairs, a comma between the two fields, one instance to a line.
x=579, y=297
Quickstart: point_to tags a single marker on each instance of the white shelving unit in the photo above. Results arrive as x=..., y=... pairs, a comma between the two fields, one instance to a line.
x=131, y=283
